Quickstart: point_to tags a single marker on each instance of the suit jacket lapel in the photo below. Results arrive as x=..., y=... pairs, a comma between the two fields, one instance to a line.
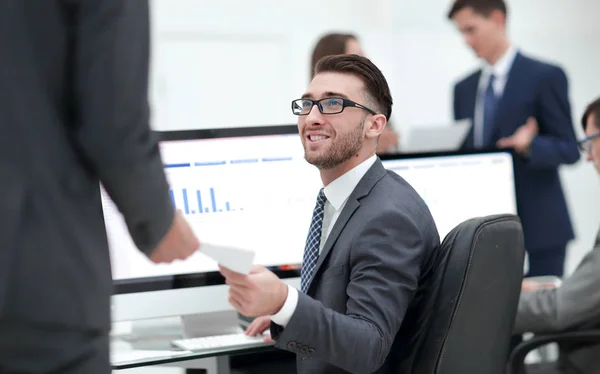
x=373, y=175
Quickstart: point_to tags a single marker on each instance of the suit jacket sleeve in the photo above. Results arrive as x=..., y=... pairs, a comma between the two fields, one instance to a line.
x=111, y=65
x=575, y=303
x=455, y=104
x=556, y=144
x=384, y=271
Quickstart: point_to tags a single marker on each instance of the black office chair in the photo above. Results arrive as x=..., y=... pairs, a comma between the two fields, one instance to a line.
x=473, y=299
x=574, y=338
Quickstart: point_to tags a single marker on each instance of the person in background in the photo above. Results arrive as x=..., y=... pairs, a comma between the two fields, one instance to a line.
x=74, y=112
x=337, y=44
x=575, y=303
x=522, y=104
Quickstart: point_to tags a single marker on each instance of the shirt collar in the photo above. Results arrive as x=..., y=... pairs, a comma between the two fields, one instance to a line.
x=501, y=68
x=338, y=191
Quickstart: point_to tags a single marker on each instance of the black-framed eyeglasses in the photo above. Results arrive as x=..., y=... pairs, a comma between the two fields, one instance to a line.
x=586, y=143
x=328, y=105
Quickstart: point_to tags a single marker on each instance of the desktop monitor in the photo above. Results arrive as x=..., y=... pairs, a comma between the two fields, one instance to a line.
x=459, y=185
x=246, y=187
x=252, y=188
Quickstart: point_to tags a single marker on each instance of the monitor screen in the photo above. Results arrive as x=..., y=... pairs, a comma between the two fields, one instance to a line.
x=253, y=190
x=457, y=186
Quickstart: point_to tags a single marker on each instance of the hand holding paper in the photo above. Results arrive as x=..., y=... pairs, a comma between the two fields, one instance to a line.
x=237, y=259
x=257, y=294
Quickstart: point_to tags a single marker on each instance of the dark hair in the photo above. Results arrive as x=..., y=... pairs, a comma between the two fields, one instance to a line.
x=481, y=7
x=375, y=83
x=329, y=44
x=593, y=108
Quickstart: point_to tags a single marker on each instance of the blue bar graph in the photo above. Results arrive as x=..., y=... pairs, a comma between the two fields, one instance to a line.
x=182, y=165
x=213, y=199
x=210, y=163
x=186, y=206
x=275, y=159
x=184, y=201
x=199, y=196
x=172, y=197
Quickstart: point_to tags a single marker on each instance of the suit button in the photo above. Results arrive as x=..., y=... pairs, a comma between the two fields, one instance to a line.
x=292, y=345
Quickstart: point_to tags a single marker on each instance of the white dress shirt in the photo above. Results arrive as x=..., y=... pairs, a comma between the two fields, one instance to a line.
x=337, y=193
x=500, y=71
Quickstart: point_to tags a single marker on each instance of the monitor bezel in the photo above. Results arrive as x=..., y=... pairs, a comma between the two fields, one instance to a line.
x=214, y=278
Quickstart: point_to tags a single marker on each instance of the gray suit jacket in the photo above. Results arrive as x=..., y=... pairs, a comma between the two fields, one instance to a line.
x=575, y=305
x=366, y=278
x=73, y=111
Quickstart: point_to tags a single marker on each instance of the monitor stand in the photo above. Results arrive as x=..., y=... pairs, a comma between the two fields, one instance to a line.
x=211, y=324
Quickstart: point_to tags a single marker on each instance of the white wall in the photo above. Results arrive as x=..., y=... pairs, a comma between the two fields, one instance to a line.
x=238, y=63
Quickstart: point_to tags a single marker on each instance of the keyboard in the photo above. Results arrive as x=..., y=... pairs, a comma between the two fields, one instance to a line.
x=217, y=342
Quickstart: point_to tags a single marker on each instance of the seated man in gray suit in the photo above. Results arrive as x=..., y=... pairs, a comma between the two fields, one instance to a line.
x=370, y=244
x=575, y=304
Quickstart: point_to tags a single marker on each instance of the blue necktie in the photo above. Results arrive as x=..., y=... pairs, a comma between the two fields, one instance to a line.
x=489, y=110
x=313, y=241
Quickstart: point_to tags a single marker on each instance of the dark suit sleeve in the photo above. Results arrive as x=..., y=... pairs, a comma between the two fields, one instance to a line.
x=385, y=266
x=556, y=144
x=111, y=66
x=574, y=303
x=455, y=103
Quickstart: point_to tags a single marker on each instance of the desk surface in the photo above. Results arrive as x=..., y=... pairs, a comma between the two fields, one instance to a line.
x=138, y=358
x=151, y=345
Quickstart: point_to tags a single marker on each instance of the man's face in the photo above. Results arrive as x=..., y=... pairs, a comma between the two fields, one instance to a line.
x=331, y=139
x=482, y=34
x=590, y=130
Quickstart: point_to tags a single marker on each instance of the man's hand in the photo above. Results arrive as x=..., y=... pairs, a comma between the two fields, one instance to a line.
x=259, y=293
x=530, y=286
x=178, y=244
x=521, y=140
x=258, y=327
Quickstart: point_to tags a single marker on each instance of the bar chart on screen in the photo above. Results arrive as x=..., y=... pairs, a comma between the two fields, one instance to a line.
x=195, y=201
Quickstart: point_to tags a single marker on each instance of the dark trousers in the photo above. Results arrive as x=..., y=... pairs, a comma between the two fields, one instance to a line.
x=547, y=261
x=35, y=349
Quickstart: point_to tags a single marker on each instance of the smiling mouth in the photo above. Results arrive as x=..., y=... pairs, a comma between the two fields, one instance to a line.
x=317, y=138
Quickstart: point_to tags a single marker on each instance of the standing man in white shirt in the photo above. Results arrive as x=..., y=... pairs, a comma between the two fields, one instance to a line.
x=519, y=103
x=370, y=243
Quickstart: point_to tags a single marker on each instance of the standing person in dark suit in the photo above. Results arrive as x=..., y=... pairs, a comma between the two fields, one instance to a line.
x=73, y=113
x=522, y=104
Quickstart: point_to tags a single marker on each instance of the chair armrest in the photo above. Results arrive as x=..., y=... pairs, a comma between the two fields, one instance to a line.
x=516, y=362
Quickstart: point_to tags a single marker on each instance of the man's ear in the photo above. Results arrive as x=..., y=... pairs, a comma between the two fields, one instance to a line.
x=498, y=17
x=376, y=125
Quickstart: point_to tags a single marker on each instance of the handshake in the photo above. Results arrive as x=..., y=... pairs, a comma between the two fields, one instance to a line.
x=178, y=244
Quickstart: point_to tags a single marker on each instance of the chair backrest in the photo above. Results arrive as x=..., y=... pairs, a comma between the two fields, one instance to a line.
x=472, y=302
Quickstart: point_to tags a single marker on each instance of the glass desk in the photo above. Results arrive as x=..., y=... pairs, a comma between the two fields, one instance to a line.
x=149, y=344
